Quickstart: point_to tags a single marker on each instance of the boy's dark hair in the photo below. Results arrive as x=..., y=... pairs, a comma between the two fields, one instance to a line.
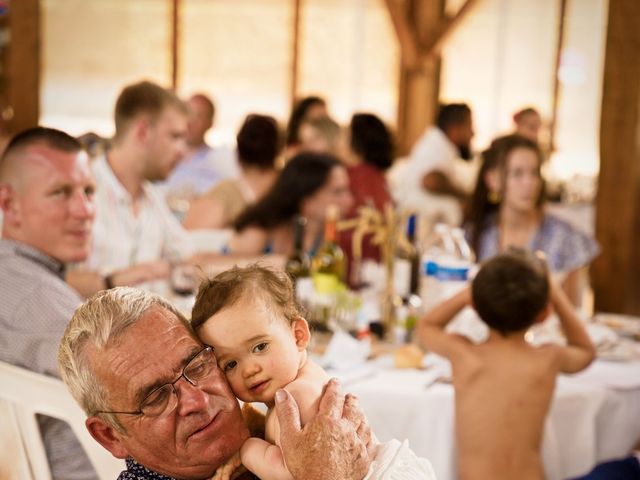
x=255, y=281
x=510, y=291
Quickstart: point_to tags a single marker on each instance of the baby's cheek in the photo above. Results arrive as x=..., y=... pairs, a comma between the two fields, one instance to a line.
x=236, y=384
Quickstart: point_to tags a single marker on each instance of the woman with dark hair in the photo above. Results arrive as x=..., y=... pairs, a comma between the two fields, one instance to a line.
x=258, y=146
x=304, y=109
x=307, y=185
x=507, y=209
x=371, y=154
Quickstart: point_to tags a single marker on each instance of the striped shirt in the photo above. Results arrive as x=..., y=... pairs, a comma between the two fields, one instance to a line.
x=121, y=238
x=35, y=306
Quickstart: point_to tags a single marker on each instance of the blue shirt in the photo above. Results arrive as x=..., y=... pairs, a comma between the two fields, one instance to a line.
x=566, y=247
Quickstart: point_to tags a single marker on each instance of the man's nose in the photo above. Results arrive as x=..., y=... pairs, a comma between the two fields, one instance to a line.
x=191, y=398
x=82, y=205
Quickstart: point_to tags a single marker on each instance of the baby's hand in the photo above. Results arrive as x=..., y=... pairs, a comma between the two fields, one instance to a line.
x=225, y=471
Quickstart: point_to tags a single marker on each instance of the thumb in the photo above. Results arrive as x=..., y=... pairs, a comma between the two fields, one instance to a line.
x=288, y=414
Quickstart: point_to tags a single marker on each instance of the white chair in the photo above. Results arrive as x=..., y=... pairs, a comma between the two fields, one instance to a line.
x=24, y=394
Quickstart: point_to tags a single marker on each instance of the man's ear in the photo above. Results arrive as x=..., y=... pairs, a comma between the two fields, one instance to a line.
x=107, y=436
x=9, y=204
x=142, y=129
x=300, y=329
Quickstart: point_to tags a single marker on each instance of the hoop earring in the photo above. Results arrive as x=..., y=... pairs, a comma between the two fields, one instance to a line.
x=494, y=197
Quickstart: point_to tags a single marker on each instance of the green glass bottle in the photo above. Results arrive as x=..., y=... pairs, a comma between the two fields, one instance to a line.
x=329, y=263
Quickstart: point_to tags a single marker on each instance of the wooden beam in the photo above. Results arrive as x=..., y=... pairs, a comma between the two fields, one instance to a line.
x=446, y=29
x=175, y=42
x=419, y=88
x=555, y=98
x=406, y=34
x=616, y=272
x=23, y=65
x=295, y=52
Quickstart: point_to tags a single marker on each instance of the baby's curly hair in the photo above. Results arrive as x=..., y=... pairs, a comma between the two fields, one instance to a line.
x=253, y=281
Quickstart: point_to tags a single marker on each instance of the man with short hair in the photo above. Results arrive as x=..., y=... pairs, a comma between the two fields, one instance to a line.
x=154, y=395
x=46, y=196
x=430, y=180
x=136, y=237
x=203, y=166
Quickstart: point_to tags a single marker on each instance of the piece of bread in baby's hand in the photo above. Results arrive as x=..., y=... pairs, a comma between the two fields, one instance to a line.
x=408, y=356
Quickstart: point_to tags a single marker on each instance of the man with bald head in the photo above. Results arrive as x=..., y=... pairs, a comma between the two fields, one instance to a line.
x=46, y=196
x=203, y=165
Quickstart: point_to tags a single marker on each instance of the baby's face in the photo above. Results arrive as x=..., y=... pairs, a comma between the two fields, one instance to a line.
x=256, y=348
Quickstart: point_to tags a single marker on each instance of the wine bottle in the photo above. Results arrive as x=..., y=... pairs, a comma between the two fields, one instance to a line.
x=329, y=263
x=298, y=265
x=406, y=271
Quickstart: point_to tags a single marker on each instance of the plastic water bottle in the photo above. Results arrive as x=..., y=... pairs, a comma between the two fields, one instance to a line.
x=446, y=263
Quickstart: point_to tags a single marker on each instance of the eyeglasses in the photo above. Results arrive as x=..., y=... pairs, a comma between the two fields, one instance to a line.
x=164, y=399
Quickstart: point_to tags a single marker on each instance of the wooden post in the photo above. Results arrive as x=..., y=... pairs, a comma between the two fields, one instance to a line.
x=175, y=43
x=295, y=51
x=419, y=88
x=616, y=272
x=23, y=65
x=555, y=97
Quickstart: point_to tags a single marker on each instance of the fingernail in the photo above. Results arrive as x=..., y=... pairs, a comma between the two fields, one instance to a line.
x=280, y=396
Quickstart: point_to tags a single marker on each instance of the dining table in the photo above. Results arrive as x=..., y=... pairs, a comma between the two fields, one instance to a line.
x=594, y=416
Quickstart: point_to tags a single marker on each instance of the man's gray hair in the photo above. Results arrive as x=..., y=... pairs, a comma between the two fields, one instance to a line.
x=95, y=325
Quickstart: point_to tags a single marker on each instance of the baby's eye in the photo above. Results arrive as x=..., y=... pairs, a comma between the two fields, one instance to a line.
x=229, y=366
x=260, y=347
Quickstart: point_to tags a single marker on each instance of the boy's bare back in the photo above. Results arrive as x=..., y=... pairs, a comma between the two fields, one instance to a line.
x=504, y=386
x=503, y=390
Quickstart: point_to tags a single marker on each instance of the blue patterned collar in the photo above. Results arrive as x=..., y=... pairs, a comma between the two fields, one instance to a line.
x=135, y=471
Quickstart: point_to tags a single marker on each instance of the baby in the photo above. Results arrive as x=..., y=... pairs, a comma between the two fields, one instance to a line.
x=504, y=387
x=250, y=318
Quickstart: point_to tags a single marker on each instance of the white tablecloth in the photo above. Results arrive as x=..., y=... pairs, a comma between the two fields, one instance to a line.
x=592, y=418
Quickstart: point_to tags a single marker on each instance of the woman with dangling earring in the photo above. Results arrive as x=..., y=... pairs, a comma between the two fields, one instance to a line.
x=507, y=210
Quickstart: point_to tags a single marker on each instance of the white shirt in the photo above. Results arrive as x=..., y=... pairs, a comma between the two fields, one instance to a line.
x=432, y=152
x=396, y=461
x=122, y=239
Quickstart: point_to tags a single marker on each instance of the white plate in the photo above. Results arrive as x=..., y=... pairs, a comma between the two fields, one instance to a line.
x=626, y=325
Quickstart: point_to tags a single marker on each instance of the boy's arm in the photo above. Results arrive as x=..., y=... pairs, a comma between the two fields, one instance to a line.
x=431, y=332
x=580, y=351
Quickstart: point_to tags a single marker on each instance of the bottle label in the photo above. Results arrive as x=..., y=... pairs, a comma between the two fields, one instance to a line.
x=446, y=272
x=326, y=283
x=402, y=277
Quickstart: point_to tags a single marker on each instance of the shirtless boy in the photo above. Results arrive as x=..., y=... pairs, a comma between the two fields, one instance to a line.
x=504, y=387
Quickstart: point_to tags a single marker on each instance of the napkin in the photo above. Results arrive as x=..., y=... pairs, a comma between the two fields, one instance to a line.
x=344, y=351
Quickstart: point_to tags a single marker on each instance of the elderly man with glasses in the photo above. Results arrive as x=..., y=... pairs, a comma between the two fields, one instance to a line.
x=154, y=396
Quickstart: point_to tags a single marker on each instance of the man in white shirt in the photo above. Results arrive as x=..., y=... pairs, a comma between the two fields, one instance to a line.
x=429, y=182
x=135, y=236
